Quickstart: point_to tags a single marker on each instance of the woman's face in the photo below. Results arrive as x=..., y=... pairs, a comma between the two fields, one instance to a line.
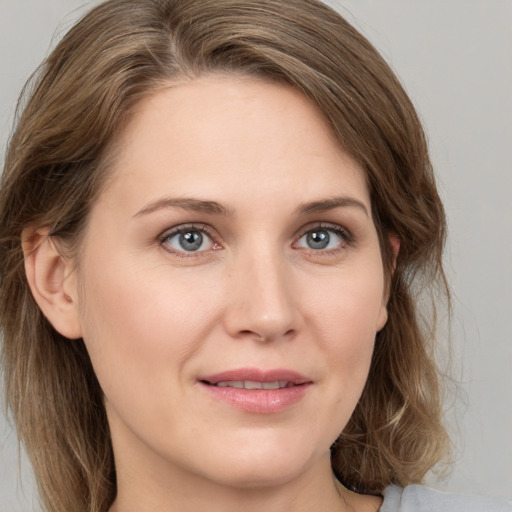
x=230, y=286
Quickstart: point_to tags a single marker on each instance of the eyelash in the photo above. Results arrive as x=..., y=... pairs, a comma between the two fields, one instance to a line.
x=347, y=239
x=200, y=228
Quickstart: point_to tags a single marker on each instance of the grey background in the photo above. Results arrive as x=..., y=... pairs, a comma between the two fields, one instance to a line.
x=455, y=59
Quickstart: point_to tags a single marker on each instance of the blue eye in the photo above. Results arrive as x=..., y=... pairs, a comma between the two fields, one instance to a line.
x=323, y=238
x=188, y=240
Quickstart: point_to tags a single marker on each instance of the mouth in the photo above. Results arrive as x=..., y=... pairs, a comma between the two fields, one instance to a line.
x=252, y=384
x=257, y=391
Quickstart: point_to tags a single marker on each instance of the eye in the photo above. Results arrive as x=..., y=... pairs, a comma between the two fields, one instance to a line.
x=188, y=240
x=324, y=238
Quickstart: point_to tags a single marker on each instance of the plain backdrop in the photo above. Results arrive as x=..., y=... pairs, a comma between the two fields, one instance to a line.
x=455, y=59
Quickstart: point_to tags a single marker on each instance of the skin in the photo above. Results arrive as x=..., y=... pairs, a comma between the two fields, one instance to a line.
x=156, y=317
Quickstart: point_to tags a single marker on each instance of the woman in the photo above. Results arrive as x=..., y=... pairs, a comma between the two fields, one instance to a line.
x=216, y=219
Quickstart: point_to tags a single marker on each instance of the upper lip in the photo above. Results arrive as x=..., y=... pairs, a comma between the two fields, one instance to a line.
x=256, y=375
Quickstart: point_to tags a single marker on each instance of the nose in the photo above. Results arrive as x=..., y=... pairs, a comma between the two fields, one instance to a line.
x=262, y=303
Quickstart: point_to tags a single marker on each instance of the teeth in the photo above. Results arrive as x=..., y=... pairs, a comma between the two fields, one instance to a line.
x=278, y=384
x=231, y=384
x=251, y=384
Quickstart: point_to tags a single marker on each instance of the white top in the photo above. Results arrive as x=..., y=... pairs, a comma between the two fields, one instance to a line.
x=416, y=498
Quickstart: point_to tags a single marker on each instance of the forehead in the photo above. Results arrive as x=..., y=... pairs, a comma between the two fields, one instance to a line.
x=235, y=136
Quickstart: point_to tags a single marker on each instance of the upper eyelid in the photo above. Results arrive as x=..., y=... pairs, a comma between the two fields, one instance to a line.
x=323, y=225
x=205, y=228
x=215, y=237
x=172, y=232
x=347, y=240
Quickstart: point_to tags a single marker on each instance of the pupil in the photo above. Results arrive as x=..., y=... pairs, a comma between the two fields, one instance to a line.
x=318, y=239
x=191, y=240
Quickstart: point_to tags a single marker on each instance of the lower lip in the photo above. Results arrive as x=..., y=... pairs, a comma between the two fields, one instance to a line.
x=261, y=401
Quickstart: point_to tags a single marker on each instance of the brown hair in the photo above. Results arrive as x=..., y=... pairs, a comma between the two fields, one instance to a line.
x=56, y=164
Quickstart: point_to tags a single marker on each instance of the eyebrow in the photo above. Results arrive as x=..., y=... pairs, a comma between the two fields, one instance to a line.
x=189, y=203
x=330, y=204
x=214, y=208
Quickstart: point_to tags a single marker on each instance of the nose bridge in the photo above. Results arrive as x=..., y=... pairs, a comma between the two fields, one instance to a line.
x=263, y=305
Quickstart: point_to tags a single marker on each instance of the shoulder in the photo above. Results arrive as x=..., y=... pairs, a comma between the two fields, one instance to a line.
x=416, y=498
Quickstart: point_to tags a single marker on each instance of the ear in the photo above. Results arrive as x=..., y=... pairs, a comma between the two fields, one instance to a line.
x=395, y=245
x=383, y=313
x=52, y=281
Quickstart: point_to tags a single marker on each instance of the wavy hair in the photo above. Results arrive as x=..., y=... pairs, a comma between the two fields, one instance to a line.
x=58, y=160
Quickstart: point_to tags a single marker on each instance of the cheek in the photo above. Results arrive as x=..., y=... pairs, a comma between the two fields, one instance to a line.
x=137, y=319
x=352, y=306
x=347, y=316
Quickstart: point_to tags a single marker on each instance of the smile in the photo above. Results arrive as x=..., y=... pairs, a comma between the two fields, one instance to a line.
x=251, y=384
x=257, y=391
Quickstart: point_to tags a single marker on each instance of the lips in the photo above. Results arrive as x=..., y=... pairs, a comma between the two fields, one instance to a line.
x=257, y=391
x=251, y=384
x=257, y=375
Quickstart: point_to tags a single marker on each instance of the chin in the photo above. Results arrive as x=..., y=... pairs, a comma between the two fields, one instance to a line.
x=255, y=477
x=261, y=467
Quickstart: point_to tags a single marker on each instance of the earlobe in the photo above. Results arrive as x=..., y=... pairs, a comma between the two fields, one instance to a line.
x=52, y=281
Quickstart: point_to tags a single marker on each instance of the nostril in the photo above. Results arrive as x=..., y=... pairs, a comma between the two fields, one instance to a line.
x=247, y=333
